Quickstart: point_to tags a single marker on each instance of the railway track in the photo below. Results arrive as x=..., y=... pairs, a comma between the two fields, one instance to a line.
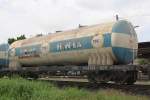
x=136, y=89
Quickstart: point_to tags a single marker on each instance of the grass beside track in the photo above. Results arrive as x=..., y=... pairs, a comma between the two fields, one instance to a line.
x=21, y=89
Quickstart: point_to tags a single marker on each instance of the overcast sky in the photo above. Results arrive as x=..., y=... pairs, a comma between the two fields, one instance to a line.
x=32, y=17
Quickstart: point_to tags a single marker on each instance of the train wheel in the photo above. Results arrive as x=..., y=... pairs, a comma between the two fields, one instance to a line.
x=119, y=77
x=103, y=76
x=130, y=82
x=149, y=73
x=132, y=77
x=91, y=77
x=126, y=77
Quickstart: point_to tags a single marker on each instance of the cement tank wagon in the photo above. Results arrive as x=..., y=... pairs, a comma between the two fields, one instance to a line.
x=104, y=44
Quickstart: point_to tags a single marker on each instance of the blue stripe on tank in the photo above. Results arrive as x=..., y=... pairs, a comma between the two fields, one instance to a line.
x=21, y=51
x=107, y=40
x=121, y=27
x=123, y=55
x=71, y=44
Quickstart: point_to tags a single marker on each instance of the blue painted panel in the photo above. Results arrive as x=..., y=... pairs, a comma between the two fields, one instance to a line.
x=123, y=55
x=107, y=40
x=17, y=51
x=4, y=62
x=21, y=51
x=122, y=27
x=71, y=44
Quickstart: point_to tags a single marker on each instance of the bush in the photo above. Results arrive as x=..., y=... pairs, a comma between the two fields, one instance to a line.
x=21, y=89
x=143, y=61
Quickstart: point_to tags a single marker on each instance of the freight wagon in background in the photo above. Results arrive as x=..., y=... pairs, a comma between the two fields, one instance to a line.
x=4, y=62
x=144, y=59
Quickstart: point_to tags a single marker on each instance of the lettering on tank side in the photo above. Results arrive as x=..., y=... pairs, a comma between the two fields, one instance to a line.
x=71, y=44
x=28, y=51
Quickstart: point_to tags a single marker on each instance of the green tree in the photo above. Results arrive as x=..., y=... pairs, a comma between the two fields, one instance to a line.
x=11, y=40
x=143, y=61
x=21, y=37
